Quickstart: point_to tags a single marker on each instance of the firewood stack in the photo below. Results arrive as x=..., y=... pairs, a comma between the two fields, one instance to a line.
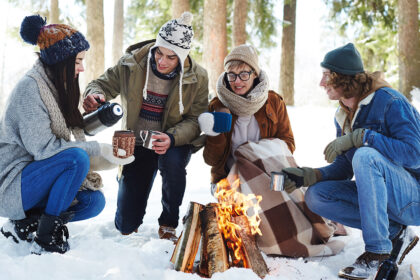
x=201, y=223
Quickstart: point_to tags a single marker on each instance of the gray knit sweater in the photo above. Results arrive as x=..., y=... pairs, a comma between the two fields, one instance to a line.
x=26, y=136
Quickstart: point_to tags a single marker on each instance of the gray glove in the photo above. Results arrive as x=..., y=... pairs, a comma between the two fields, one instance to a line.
x=297, y=177
x=344, y=143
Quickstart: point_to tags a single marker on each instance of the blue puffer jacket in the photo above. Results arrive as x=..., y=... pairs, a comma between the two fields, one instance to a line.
x=392, y=127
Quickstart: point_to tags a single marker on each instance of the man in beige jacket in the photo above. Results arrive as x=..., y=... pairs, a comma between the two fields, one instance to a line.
x=162, y=89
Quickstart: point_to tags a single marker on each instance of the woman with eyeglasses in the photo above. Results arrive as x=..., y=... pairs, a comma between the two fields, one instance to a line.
x=257, y=112
x=258, y=140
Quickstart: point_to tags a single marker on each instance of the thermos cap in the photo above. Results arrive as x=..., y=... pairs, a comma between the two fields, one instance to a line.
x=117, y=110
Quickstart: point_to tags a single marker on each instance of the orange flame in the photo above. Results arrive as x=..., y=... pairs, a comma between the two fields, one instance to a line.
x=233, y=203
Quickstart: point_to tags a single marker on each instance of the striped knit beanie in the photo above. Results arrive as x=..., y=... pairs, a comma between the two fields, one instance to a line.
x=56, y=42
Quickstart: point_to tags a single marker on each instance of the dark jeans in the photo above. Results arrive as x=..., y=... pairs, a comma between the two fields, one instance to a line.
x=53, y=183
x=137, y=180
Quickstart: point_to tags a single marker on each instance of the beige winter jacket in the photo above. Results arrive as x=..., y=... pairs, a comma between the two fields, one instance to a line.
x=127, y=79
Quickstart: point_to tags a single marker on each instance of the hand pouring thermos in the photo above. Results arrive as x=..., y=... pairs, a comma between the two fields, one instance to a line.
x=105, y=116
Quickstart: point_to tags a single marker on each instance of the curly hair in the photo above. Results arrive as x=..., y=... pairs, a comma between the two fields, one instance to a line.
x=352, y=85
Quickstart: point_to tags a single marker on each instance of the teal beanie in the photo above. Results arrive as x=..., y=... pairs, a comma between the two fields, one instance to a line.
x=344, y=60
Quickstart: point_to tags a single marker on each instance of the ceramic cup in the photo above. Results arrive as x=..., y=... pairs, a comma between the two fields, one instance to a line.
x=123, y=139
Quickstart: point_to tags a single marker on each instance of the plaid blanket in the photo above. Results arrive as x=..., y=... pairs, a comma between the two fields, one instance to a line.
x=288, y=227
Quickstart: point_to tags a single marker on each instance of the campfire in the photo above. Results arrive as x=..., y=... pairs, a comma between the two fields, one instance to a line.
x=226, y=230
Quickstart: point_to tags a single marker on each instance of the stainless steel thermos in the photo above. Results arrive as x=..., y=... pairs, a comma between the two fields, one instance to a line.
x=105, y=116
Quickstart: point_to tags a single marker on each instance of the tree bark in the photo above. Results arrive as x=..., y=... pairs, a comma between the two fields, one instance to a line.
x=118, y=36
x=287, y=66
x=408, y=46
x=252, y=254
x=214, y=39
x=179, y=6
x=240, y=14
x=214, y=256
x=54, y=12
x=95, y=35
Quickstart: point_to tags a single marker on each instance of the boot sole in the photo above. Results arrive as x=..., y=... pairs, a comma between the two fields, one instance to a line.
x=408, y=249
x=8, y=234
x=345, y=276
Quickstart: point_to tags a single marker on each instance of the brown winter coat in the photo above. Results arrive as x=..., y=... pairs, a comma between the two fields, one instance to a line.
x=273, y=122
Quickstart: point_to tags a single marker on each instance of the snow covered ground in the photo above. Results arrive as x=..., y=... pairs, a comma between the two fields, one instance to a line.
x=98, y=251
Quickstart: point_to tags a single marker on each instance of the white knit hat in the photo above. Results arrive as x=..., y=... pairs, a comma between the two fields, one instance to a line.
x=175, y=35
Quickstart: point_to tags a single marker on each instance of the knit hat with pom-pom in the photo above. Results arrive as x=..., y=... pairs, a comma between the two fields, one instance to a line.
x=56, y=42
x=175, y=35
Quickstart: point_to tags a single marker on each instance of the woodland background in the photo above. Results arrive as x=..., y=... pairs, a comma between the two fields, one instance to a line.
x=292, y=38
x=385, y=31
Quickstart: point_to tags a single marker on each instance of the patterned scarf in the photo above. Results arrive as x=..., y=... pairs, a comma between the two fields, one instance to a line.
x=243, y=106
x=49, y=96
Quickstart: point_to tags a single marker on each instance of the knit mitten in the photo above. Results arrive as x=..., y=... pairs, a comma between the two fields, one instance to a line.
x=108, y=155
x=215, y=123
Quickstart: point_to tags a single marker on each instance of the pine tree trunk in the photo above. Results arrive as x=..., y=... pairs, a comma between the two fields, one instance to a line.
x=118, y=36
x=240, y=14
x=95, y=35
x=54, y=12
x=179, y=6
x=408, y=46
x=214, y=39
x=287, y=66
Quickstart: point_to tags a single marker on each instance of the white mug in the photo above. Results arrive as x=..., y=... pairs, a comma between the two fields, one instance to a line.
x=146, y=137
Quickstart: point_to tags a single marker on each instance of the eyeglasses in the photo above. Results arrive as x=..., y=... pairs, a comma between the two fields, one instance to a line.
x=244, y=76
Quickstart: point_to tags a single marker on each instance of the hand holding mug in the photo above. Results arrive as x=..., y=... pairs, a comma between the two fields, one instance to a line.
x=161, y=143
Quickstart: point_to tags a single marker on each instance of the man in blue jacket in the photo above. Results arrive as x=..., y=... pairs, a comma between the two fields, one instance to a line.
x=378, y=142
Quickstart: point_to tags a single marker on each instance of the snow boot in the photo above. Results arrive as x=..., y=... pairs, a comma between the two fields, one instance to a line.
x=365, y=266
x=168, y=233
x=51, y=235
x=409, y=239
x=22, y=230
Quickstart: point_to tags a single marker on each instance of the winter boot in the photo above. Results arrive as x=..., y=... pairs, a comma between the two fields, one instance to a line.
x=22, y=230
x=365, y=266
x=51, y=235
x=409, y=239
x=168, y=233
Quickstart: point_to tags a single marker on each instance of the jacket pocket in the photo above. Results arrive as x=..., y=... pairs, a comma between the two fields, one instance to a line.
x=375, y=126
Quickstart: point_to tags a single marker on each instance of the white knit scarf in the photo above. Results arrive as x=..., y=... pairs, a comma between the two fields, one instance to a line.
x=49, y=96
x=239, y=105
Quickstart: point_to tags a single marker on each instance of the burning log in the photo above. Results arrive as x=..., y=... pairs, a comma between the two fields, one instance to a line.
x=214, y=257
x=227, y=229
x=186, y=249
x=252, y=255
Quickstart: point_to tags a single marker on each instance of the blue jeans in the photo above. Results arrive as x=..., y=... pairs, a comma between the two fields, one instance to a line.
x=53, y=183
x=383, y=197
x=137, y=180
